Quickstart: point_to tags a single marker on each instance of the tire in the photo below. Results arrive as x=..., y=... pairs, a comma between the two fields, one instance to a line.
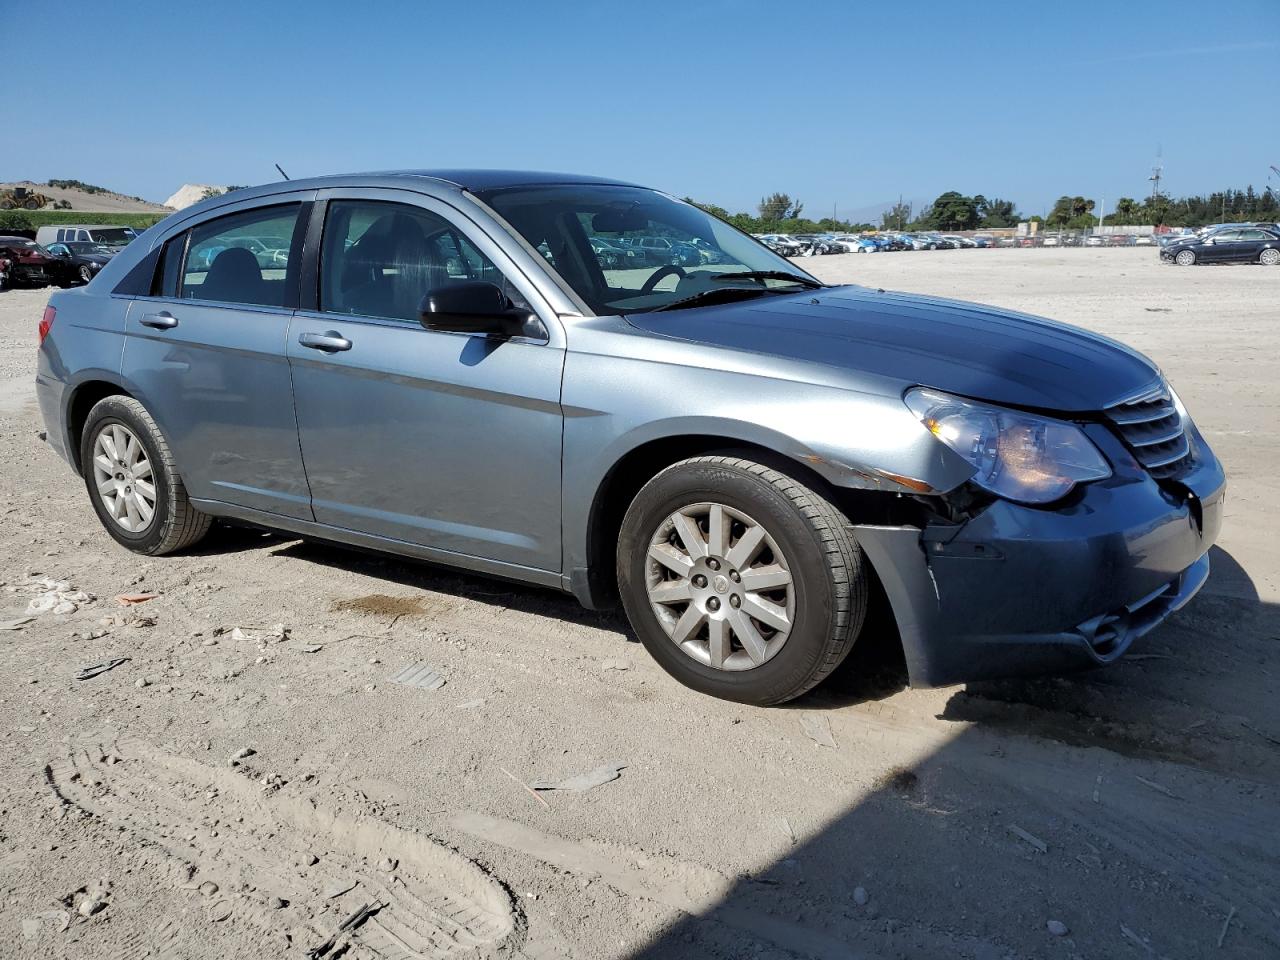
x=86, y=274
x=174, y=523
x=1269, y=257
x=804, y=539
x=1185, y=258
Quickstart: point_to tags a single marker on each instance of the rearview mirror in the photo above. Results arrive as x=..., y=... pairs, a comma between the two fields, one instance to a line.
x=475, y=306
x=620, y=221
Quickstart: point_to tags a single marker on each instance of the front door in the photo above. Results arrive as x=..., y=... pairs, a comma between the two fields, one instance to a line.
x=206, y=354
x=449, y=441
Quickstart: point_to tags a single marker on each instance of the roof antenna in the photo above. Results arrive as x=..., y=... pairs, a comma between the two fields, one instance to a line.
x=282, y=173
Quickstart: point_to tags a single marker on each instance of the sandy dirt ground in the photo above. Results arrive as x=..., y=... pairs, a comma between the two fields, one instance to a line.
x=242, y=793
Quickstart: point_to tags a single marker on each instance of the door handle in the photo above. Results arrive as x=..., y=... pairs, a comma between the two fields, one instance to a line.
x=331, y=341
x=163, y=320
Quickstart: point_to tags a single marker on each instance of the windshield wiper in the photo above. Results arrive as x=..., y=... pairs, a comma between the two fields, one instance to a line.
x=768, y=275
x=724, y=293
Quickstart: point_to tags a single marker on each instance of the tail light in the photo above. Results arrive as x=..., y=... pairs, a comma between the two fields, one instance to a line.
x=46, y=322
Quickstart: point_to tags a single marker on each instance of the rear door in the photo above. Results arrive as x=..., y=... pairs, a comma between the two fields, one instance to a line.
x=446, y=440
x=206, y=353
x=1251, y=243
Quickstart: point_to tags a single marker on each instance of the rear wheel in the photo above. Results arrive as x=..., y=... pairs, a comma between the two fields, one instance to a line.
x=1269, y=256
x=740, y=581
x=1185, y=258
x=86, y=274
x=133, y=484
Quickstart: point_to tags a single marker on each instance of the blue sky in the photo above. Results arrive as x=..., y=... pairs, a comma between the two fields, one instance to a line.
x=838, y=103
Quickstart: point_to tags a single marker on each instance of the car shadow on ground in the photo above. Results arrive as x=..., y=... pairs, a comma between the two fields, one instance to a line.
x=972, y=848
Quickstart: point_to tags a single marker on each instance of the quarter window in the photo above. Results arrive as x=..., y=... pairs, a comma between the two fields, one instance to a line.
x=380, y=259
x=242, y=258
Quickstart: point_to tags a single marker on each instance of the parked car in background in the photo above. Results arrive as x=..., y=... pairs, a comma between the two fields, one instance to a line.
x=1143, y=240
x=80, y=262
x=1232, y=245
x=960, y=242
x=29, y=263
x=1007, y=242
x=1094, y=241
x=983, y=242
x=736, y=454
x=105, y=234
x=615, y=256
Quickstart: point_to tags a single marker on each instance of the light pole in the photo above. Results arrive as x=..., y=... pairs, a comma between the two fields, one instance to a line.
x=1102, y=214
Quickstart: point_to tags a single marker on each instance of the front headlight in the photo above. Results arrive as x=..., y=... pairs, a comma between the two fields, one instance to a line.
x=1018, y=456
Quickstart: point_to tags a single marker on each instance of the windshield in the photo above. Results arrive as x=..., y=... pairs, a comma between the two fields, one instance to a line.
x=117, y=237
x=83, y=246
x=656, y=251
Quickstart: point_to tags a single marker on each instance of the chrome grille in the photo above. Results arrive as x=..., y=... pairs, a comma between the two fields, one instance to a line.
x=1152, y=428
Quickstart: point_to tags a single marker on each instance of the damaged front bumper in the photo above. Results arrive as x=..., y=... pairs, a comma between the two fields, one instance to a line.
x=1018, y=590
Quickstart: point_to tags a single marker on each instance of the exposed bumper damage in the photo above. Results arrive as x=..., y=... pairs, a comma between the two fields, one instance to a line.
x=1017, y=590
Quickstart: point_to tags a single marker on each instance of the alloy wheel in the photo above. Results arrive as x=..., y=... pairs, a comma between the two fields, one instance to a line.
x=1185, y=258
x=1270, y=256
x=123, y=477
x=720, y=586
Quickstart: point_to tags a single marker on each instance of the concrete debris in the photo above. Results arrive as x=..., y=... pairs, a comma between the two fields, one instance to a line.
x=58, y=597
x=273, y=634
x=605, y=773
x=1057, y=928
x=88, y=673
x=91, y=905
x=312, y=648
x=860, y=896
x=208, y=888
x=220, y=911
x=17, y=624
x=818, y=729
x=470, y=704
x=129, y=599
x=241, y=754
x=419, y=675
x=141, y=683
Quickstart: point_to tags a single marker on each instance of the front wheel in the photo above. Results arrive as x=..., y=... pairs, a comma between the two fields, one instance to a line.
x=740, y=581
x=86, y=274
x=1269, y=257
x=132, y=481
x=1185, y=258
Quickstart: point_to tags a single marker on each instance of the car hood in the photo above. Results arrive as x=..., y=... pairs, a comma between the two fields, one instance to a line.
x=964, y=348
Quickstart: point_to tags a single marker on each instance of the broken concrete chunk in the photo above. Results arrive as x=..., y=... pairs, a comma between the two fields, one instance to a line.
x=605, y=773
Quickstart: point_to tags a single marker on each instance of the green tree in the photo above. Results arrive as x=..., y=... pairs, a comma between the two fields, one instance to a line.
x=951, y=211
x=711, y=208
x=997, y=213
x=1069, y=209
x=15, y=220
x=779, y=206
x=896, y=217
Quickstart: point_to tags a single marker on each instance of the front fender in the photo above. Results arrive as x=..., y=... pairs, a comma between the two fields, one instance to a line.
x=614, y=404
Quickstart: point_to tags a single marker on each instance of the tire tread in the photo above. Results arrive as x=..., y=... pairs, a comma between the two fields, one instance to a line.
x=844, y=559
x=187, y=525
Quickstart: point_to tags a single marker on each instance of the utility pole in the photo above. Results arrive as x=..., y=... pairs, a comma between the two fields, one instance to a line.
x=1102, y=213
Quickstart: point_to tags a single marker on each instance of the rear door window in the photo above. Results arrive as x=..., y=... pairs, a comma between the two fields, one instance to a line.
x=242, y=258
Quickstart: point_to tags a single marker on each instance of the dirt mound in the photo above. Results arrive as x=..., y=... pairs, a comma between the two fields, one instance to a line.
x=95, y=200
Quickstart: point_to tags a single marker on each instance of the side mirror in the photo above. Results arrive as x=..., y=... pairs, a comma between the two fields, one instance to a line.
x=476, y=306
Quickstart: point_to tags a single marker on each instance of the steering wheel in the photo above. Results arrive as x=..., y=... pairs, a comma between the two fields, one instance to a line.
x=660, y=274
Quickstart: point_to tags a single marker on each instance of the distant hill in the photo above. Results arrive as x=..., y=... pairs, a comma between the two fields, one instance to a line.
x=90, y=200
